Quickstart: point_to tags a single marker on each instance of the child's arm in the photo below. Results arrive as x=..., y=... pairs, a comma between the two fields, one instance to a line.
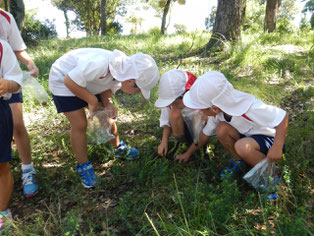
x=107, y=103
x=203, y=139
x=23, y=57
x=7, y=86
x=275, y=152
x=163, y=146
x=83, y=94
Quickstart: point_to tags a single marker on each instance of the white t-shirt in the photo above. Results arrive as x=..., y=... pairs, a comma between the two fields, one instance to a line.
x=10, y=32
x=87, y=67
x=9, y=66
x=260, y=119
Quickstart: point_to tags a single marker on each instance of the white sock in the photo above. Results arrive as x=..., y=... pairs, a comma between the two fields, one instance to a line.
x=27, y=166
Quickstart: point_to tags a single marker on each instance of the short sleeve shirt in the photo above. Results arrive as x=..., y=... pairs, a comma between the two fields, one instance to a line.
x=87, y=67
x=10, y=32
x=260, y=119
x=9, y=66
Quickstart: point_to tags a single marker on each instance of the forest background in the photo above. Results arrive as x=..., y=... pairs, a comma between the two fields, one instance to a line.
x=259, y=49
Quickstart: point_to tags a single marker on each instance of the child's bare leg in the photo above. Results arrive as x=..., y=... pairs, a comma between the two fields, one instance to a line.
x=20, y=133
x=227, y=136
x=78, y=123
x=6, y=185
x=177, y=122
x=114, y=130
x=249, y=150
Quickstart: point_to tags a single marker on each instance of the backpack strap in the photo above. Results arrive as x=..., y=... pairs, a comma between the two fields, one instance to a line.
x=1, y=53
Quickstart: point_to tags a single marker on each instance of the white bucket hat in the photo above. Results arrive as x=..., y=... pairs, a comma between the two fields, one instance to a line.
x=148, y=74
x=213, y=88
x=171, y=86
x=139, y=66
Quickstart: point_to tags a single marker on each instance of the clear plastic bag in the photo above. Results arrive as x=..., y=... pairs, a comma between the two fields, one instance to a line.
x=263, y=177
x=33, y=89
x=99, y=129
x=193, y=119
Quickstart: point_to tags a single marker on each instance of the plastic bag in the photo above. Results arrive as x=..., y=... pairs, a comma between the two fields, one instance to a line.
x=193, y=119
x=98, y=129
x=263, y=177
x=33, y=89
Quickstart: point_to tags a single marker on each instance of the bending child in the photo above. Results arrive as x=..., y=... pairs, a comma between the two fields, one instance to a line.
x=172, y=86
x=247, y=128
x=10, y=33
x=10, y=81
x=88, y=77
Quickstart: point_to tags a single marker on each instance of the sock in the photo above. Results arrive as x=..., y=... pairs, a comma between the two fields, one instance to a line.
x=181, y=138
x=5, y=213
x=27, y=166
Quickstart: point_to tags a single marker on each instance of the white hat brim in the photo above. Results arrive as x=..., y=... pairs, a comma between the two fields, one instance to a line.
x=145, y=93
x=187, y=101
x=161, y=102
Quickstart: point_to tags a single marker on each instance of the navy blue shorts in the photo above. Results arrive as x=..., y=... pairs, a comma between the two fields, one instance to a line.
x=16, y=97
x=264, y=142
x=6, y=131
x=68, y=104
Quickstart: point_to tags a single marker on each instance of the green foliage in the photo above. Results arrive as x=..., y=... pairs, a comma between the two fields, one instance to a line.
x=153, y=195
x=35, y=30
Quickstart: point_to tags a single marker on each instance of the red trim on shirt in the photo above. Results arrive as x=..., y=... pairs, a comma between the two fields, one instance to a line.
x=1, y=52
x=6, y=16
x=191, y=80
x=244, y=116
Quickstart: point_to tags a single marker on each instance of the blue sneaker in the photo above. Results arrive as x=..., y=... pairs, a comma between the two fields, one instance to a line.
x=124, y=151
x=234, y=169
x=30, y=184
x=87, y=174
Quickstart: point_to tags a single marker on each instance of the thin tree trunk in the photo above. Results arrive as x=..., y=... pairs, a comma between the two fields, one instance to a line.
x=67, y=23
x=227, y=22
x=271, y=15
x=103, y=23
x=6, y=5
x=17, y=9
x=164, y=17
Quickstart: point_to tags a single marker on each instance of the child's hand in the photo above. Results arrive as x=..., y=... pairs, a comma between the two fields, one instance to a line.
x=163, y=149
x=183, y=157
x=112, y=111
x=92, y=109
x=33, y=69
x=274, y=154
x=4, y=86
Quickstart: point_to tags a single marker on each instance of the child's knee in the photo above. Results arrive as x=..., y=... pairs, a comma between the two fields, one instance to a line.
x=222, y=129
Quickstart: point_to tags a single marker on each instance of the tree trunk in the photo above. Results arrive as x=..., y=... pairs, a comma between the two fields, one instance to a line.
x=164, y=17
x=103, y=22
x=271, y=15
x=17, y=9
x=6, y=5
x=227, y=22
x=67, y=23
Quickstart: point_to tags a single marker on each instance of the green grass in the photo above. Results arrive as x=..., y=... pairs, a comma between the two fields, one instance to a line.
x=153, y=196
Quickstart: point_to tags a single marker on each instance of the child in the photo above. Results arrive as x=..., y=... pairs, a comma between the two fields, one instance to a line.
x=173, y=84
x=10, y=33
x=248, y=129
x=88, y=77
x=10, y=80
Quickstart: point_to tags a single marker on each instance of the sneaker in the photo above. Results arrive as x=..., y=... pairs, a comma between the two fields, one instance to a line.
x=177, y=149
x=87, y=174
x=30, y=184
x=235, y=168
x=124, y=151
x=5, y=220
